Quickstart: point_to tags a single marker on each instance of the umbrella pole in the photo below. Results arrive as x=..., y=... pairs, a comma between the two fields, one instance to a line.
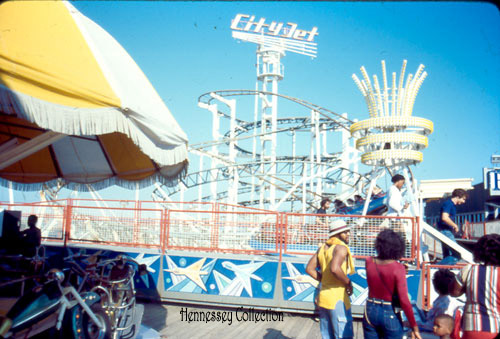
x=19, y=152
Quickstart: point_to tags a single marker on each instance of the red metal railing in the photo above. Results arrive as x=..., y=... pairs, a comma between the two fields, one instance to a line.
x=303, y=233
x=234, y=232
x=211, y=227
x=475, y=230
x=427, y=280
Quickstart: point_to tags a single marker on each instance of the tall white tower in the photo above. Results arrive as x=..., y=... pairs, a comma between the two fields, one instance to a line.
x=272, y=41
x=392, y=137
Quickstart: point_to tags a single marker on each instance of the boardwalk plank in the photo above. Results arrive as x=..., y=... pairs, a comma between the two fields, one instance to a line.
x=166, y=319
x=306, y=329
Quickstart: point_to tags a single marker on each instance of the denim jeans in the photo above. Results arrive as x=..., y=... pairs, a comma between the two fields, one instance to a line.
x=380, y=321
x=336, y=323
x=448, y=251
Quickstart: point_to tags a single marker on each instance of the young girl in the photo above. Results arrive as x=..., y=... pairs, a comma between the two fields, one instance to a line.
x=444, y=303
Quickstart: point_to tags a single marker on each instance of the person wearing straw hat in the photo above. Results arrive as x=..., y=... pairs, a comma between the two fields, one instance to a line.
x=330, y=266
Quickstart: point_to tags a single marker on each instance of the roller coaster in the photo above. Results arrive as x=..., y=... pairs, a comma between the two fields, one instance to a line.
x=329, y=168
x=251, y=162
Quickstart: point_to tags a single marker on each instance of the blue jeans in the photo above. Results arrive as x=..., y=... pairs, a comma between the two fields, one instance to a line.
x=380, y=321
x=336, y=323
x=448, y=251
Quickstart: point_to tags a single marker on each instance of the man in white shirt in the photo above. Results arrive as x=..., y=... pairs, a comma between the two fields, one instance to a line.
x=397, y=208
x=395, y=204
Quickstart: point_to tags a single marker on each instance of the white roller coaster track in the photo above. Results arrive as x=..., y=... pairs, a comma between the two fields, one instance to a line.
x=291, y=176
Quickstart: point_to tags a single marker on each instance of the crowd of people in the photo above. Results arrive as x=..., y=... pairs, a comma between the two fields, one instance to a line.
x=398, y=207
x=389, y=312
x=388, y=298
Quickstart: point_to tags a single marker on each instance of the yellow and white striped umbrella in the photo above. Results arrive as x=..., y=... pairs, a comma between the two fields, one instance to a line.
x=74, y=105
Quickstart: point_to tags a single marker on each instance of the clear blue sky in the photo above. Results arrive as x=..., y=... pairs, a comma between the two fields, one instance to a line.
x=186, y=49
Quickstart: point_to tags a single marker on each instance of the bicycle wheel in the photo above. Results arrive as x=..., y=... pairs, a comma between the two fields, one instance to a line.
x=90, y=330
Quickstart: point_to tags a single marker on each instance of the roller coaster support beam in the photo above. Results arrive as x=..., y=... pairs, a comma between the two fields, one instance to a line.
x=319, y=174
x=215, y=136
x=233, y=187
x=263, y=178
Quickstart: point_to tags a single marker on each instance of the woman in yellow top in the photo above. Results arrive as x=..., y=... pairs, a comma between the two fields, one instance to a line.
x=330, y=266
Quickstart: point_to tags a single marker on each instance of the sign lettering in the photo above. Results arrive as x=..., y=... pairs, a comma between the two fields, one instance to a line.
x=491, y=179
x=247, y=23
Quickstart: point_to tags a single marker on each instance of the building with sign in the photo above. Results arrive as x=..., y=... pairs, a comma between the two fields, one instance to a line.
x=483, y=203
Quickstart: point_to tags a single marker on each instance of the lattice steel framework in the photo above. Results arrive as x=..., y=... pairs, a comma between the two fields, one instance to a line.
x=260, y=173
x=236, y=172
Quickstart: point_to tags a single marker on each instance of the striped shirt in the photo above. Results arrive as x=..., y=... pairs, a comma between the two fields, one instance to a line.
x=482, y=288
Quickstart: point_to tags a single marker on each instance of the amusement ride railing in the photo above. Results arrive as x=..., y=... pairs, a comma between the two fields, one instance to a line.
x=427, y=290
x=461, y=218
x=206, y=227
x=304, y=232
x=475, y=230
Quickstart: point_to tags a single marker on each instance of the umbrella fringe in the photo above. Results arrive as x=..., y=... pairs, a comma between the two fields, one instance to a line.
x=88, y=121
x=82, y=187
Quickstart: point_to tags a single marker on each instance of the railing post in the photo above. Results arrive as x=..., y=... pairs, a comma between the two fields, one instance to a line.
x=67, y=221
x=280, y=239
x=417, y=229
x=167, y=226
x=284, y=233
x=163, y=227
x=422, y=287
x=427, y=285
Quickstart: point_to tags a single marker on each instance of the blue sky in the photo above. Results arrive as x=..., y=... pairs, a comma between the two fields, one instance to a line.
x=186, y=49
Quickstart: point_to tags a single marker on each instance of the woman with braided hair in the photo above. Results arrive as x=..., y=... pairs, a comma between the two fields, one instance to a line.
x=481, y=284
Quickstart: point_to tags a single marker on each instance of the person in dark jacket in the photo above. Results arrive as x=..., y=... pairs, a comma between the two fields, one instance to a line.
x=31, y=237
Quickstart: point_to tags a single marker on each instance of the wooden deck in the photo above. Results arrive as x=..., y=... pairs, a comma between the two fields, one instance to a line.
x=166, y=318
x=170, y=323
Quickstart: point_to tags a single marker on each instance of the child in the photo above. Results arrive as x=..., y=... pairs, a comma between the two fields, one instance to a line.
x=444, y=304
x=443, y=326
